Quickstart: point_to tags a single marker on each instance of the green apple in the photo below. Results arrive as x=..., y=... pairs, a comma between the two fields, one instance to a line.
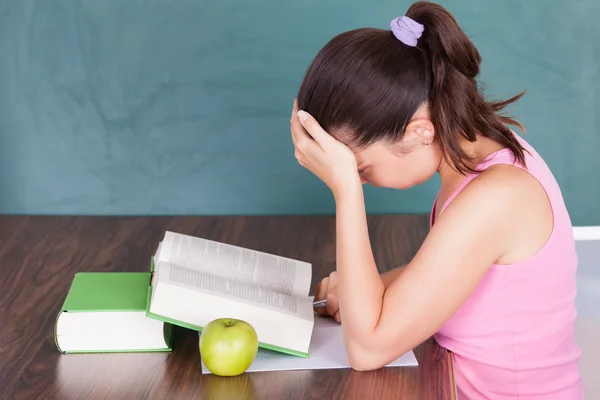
x=228, y=346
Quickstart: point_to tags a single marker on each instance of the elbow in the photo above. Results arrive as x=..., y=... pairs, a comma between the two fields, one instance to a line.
x=361, y=366
x=363, y=359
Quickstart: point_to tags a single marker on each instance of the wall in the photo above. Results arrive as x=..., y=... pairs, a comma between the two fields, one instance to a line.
x=182, y=107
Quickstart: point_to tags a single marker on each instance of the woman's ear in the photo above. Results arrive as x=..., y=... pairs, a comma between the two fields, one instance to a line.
x=420, y=131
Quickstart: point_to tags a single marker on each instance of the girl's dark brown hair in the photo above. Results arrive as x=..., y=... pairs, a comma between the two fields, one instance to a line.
x=368, y=84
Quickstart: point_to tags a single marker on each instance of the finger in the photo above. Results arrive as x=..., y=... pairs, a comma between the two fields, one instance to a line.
x=333, y=277
x=292, y=117
x=332, y=300
x=337, y=317
x=295, y=126
x=313, y=128
x=304, y=145
x=298, y=132
x=321, y=294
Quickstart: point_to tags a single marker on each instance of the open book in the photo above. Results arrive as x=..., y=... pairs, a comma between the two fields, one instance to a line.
x=196, y=281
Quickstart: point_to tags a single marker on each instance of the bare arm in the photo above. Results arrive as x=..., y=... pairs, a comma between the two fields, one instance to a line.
x=390, y=276
x=472, y=234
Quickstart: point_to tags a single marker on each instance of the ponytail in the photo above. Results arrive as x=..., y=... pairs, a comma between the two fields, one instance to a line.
x=456, y=105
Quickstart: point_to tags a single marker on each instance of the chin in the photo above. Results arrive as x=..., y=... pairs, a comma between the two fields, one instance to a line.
x=416, y=181
x=402, y=185
x=392, y=186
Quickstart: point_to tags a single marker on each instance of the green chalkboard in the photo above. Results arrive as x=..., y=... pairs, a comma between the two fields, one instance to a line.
x=182, y=107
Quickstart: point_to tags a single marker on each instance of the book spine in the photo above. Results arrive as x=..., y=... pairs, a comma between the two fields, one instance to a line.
x=55, y=332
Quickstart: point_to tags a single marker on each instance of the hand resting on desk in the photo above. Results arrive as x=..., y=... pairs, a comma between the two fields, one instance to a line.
x=327, y=290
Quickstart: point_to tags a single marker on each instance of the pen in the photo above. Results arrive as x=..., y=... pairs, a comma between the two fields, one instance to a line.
x=320, y=303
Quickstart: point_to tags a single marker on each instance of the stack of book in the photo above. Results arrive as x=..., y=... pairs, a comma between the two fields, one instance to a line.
x=190, y=282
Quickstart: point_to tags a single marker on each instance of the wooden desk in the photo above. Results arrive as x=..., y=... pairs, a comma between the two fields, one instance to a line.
x=39, y=255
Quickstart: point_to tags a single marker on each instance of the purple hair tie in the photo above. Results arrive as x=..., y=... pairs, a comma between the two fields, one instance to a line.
x=407, y=30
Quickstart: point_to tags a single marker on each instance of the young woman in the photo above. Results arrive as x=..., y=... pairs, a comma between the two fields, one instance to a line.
x=494, y=280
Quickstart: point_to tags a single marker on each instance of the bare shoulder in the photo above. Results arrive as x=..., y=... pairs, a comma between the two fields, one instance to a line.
x=524, y=212
x=500, y=217
x=506, y=173
x=507, y=180
x=501, y=189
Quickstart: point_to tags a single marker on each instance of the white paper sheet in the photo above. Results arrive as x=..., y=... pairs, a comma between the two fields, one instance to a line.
x=327, y=351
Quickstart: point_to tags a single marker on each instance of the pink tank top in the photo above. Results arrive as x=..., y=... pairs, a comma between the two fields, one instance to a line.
x=514, y=338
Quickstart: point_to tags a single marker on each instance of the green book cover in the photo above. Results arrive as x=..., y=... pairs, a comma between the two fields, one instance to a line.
x=107, y=291
x=117, y=302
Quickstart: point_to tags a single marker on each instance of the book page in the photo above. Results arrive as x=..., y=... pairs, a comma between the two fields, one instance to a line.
x=234, y=290
x=157, y=255
x=267, y=271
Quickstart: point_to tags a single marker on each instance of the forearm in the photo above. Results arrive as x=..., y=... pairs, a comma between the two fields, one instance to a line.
x=360, y=287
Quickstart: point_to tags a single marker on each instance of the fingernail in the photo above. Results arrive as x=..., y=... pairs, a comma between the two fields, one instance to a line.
x=302, y=115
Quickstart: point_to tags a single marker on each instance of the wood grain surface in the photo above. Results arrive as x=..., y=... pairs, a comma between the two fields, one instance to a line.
x=40, y=255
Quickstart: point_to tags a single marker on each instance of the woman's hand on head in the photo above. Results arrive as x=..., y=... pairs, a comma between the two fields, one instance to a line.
x=327, y=158
x=327, y=290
